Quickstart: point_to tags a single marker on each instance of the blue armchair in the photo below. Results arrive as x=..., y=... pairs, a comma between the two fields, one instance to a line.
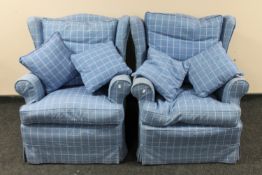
x=190, y=129
x=70, y=125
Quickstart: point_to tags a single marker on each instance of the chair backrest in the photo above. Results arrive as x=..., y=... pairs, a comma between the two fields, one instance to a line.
x=163, y=31
x=103, y=29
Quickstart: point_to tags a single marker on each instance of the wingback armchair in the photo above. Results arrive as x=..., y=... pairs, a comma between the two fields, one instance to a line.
x=190, y=129
x=70, y=125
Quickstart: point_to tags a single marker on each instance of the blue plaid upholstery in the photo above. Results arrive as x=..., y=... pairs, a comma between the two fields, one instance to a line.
x=120, y=34
x=73, y=106
x=30, y=87
x=143, y=89
x=191, y=109
x=70, y=125
x=234, y=90
x=229, y=23
x=190, y=129
x=139, y=36
x=210, y=69
x=73, y=143
x=188, y=144
x=79, y=36
x=98, y=65
x=51, y=63
x=182, y=36
x=139, y=39
x=36, y=29
x=119, y=88
x=166, y=74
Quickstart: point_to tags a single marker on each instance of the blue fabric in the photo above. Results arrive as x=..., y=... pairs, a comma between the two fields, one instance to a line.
x=119, y=88
x=185, y=136
x=30, y=87
x=182, y=36
x=122, y=34
x=188, y=144
x=36, y=28
x=190, y=109
x=73, y=105
x=210, y=70
x=35, y=25
x=166, y=74
x=71, y=125
x=234, y=90
x=51, y=63
x=229, y=24
x=98, y=65
x=79, y=36
x=143, y=89
x=73, y=143
x=139, y=38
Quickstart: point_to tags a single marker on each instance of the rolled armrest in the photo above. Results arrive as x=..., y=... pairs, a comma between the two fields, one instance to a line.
x=143, y=89
x=30, y=87
x=119, y=88
x=234, y=90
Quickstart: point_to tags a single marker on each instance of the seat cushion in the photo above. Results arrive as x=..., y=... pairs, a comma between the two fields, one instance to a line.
x=182, y=36
x=73, y=105
x=191, y=109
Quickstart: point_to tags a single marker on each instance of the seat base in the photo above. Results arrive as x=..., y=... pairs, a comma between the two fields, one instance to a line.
x=73, y=144
x=188, y=144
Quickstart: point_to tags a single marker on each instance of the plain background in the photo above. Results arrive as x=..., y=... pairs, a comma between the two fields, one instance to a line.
x=245, y=47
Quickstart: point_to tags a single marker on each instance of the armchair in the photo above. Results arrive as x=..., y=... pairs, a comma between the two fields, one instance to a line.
x=190, y=129
x=70, y=125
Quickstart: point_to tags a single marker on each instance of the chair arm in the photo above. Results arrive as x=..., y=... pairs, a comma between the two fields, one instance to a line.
x=143, y=89
x=119, y=88
x=234, y=90
x=30, y=87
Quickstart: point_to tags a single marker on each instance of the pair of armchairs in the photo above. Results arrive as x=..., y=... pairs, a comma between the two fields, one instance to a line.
x=71, y=126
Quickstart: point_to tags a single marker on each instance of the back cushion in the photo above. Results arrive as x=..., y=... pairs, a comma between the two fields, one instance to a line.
x=182, y=36
x=77, y=31
x=79, y=35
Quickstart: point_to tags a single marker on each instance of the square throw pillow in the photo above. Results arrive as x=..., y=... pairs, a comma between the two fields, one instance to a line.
x=166, y=74
x=210, y=69
x=51, y=63
x=98, y=65
x=80, y=35
x=182, y=36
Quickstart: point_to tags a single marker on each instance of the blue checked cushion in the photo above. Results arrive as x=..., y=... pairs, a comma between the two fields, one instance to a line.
x=98, y=65
x=210, y=69
x=166, y=74
x=182, y=36
x=79, y=36
x=73, y=106
x=51, y=63
x=190, y=109
x=36, y=30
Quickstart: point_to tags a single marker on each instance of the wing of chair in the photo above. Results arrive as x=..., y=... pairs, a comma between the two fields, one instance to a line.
x=190, y=129
x=69, y=125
